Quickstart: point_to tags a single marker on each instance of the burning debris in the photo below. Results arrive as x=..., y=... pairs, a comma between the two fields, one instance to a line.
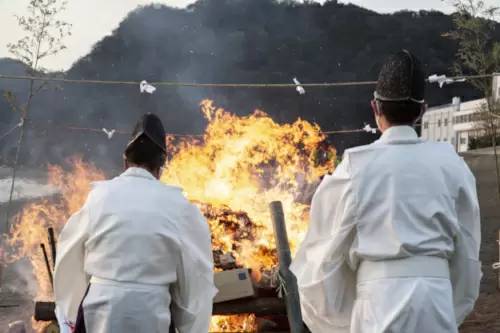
x=240, y=165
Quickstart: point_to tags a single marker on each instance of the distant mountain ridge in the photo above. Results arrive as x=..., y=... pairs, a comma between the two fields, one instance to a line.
x=231, y=41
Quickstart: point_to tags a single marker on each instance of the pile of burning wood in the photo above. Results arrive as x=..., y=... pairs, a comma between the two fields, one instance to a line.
x=239, y=294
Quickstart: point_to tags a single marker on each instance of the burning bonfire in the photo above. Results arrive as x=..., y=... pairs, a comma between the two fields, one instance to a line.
x=233, y=172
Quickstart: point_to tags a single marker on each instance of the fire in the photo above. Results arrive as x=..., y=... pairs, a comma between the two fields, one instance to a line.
x=238, y=167
x=35, y=218
x=236, y=323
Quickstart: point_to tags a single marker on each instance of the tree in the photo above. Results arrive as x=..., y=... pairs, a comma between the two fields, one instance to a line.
x=479, y=54
x=44, y=36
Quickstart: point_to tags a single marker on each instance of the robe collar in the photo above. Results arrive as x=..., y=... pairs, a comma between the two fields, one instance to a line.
x=138, y=172
x=399, y=135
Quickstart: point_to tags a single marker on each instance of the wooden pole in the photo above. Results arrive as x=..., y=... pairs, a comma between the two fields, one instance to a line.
x=52, y=242
x=47, y=263
x=498, y=270
x=292, y=299
x=264, y=306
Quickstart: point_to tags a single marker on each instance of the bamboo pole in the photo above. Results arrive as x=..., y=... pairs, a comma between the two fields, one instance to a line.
x=292, y=299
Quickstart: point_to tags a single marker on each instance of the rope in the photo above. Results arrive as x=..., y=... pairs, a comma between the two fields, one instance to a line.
x=100, y=130
x=219, y=85
x=343, y=131
x=187, y=84
x=281, y=289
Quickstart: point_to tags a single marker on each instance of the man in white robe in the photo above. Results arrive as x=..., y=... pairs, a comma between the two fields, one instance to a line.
x=137, y=255
x=394, y=235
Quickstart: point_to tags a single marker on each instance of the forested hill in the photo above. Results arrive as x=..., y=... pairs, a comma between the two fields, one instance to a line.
x=233, y=41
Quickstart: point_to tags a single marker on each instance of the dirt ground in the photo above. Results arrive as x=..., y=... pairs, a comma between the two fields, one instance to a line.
x=16, y=304
x=486, y=316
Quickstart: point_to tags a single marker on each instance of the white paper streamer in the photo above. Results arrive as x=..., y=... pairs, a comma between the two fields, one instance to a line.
x=299, y=88
x=109, y=133
x=145, y=87
x=442, y=80
x=370, y=129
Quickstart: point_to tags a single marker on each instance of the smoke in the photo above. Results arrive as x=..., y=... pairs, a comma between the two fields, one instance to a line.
x=18, y=278
x=24, y=189
x=225, y=41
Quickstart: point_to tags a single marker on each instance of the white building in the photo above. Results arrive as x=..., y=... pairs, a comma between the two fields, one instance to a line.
x=457, y=122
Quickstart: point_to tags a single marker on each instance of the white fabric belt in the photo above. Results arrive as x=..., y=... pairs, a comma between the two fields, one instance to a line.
x=128, y=285
x=419, y=266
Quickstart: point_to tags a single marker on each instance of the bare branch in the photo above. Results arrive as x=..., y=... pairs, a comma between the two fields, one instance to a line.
x=44, y=32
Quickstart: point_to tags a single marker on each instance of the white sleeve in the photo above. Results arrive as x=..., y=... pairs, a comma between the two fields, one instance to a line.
x=193, y=293
x=70, y=279
x=327, y=284
x=465, y=267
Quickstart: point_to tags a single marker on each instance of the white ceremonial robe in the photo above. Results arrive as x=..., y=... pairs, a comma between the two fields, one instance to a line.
x=406, y=211
x=145, y=250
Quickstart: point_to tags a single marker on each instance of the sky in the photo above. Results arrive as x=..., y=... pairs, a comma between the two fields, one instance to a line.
x=94, y=19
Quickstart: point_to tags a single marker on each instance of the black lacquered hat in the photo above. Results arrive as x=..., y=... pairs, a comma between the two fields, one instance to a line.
x=401, y=79
x=150, y=126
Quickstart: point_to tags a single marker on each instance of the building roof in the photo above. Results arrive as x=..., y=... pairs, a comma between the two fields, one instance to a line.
x=464, y=106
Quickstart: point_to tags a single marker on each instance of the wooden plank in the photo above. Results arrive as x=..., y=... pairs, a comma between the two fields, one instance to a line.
x=44, y=311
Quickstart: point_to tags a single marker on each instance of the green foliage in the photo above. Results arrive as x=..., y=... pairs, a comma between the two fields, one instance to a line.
x=479, y=53
x=481, y=142
x=44, y=32
x=478, y=49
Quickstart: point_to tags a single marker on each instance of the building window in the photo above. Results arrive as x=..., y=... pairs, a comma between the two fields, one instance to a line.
x=445, y=139
x=426, y=125
x=463, y=141
x=439, y=123
x=453, y=141
x=445, y=121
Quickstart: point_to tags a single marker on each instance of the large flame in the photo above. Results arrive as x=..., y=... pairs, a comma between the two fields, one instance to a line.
x=30, y=229
x=238, y=167
x=242, y=165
